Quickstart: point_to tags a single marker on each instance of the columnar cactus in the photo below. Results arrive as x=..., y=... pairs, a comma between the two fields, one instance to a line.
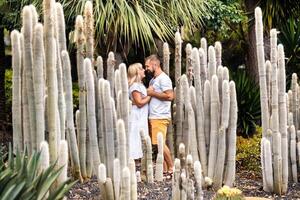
x=110, y=71
x=63, y=161
x=166, y=61
x=125, y=184
x=275, y=100
x=133, y=181
x=109, y=134
x=91, y=114
x=82, y=93
x=215, y=109
x=50, y=58
x=218, y=48
x=199, y=112
x=122, y=143
x=99, y=65
x=28, y=70
x=38, y=79
x=70, y=129
x=160, y=158
x=117, y=178
x=17, y=91
x=89, y=29
x=231, y=138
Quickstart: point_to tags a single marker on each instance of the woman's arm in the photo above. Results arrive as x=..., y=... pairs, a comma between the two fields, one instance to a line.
x=138, y=100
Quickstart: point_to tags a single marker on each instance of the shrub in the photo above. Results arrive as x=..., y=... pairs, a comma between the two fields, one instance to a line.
x=248, y=98
x=20, y=178
x=8, y=90
x=248, y=151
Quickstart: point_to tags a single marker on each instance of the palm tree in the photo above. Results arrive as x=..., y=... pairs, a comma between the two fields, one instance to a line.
x=122, y=24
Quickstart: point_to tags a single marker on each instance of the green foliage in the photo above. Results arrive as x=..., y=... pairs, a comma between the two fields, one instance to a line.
x=248, y=98
x=119, y=25
x=20, y=178
x=75, y=96
x=8, y=89
x=248, y=151
x=289, y=36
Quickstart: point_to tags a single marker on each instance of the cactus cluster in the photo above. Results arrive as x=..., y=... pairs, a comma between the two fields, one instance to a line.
x=280, y=113
x=43, y=106
x=187, y=177
x=206, y=111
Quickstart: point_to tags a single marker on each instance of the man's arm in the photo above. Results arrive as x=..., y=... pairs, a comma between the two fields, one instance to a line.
x=167, y=95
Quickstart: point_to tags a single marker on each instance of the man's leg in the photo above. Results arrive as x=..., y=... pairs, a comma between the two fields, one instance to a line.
x=168, y=158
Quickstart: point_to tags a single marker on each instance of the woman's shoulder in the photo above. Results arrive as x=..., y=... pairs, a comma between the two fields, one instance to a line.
x=136, y=86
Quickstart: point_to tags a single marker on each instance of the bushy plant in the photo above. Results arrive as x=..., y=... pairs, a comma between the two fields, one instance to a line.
x=20, y=178
x=248, y=98
x=248, y=151
x=227, y=193
x=8, y=90
x=75, y=96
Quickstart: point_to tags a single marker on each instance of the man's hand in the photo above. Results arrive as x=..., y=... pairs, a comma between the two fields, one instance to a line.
x=150, y=90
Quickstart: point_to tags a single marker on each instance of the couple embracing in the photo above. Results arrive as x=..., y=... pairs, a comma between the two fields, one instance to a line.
x=151, y=108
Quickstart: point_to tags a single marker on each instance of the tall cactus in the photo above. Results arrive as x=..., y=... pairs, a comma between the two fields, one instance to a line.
x=70, y=129
x=17, y=91
x=91, y=114
x=99, y=64
x=160, y=158
x=262, y=70
x=166, y=62
x=125, y=184
x=212, y=65
x=82, y=93
x=50, y=55
x=199, y=112
x=218, y=48
x=219, y=169
x=122, y=143
x=214, y=126
x=231, y=138
x=28, y=61
x=89, y=29
x=125, y=103
x=38, y=78
x=110, y=71
x=109, y=134
x=283, y=117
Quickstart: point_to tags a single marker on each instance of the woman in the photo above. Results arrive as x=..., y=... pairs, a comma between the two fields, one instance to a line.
x=139, y=113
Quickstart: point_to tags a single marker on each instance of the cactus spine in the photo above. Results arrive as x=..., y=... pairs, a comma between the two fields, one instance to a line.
x=63, y=161
x=123, y=143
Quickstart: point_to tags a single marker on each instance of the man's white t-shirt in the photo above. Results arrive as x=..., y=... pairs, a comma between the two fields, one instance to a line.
x=160, y=109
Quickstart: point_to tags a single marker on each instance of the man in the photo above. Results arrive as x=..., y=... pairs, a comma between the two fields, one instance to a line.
x=161, y=91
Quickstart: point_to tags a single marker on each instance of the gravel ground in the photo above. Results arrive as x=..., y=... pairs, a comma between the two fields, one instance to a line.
x=250, y=183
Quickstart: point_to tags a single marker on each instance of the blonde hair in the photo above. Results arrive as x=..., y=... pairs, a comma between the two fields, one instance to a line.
x=133, y=73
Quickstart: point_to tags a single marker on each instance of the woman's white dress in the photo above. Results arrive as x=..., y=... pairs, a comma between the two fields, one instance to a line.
x=138, y=120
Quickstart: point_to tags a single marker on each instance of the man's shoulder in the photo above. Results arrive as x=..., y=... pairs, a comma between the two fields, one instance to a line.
x=164, y=76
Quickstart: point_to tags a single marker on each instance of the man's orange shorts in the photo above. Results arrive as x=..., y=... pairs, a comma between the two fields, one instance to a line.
x=156, y=126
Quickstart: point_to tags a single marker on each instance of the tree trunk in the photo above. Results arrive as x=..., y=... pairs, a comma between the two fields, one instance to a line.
x=251, y=57
x=2, y=77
